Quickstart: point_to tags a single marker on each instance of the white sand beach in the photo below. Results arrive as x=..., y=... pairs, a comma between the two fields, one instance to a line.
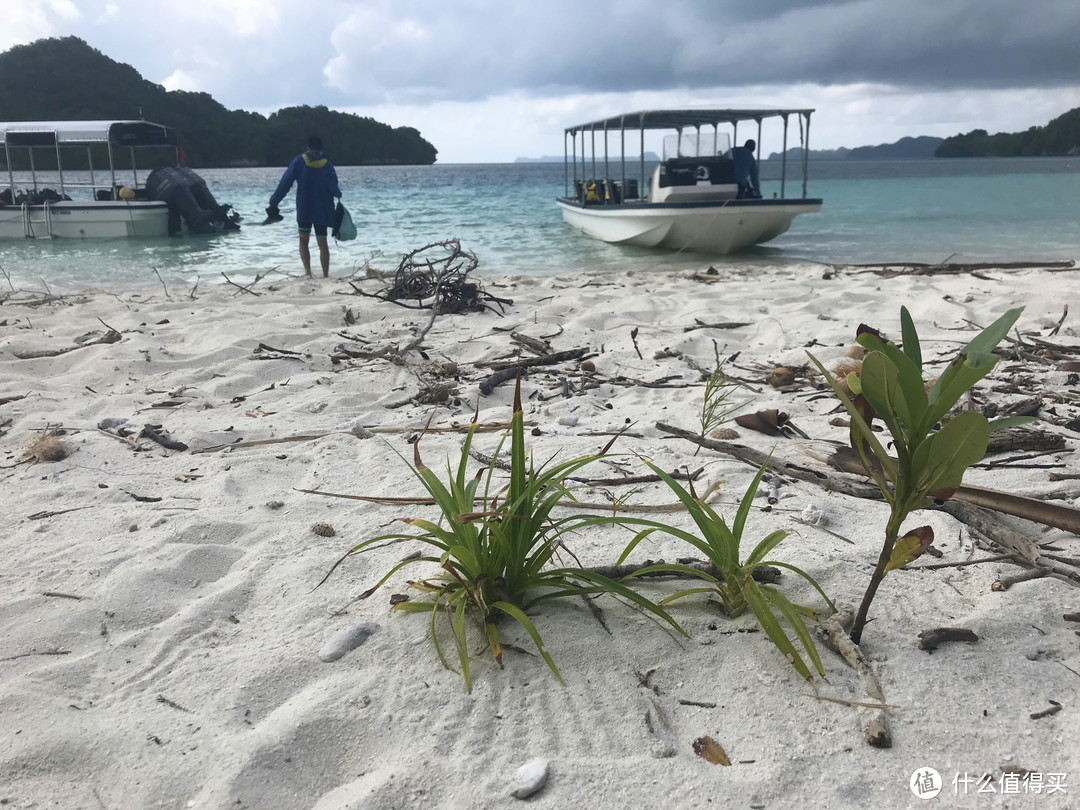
x=160, y=628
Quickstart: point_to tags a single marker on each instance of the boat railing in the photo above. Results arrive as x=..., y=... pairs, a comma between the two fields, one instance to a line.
x=692, y=127
x=114, y=172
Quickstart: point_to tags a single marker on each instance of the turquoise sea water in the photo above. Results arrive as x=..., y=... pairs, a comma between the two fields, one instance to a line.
x=974, y=210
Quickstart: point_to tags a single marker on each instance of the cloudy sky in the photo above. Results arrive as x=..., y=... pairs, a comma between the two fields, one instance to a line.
x=489, y=80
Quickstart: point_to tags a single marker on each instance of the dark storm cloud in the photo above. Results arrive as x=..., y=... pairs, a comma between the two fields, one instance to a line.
x=264, y=54
x=416, y=51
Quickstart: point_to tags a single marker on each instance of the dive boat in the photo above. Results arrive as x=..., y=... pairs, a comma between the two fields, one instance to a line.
x=692, y=200
x=110, y=199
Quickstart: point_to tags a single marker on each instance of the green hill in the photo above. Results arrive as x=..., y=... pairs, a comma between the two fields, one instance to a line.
x=66, y=79
x=1060, y=137
x=920, y=148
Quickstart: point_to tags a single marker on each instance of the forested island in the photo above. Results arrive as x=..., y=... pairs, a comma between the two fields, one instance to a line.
x=66, y=79
x=1060, y=137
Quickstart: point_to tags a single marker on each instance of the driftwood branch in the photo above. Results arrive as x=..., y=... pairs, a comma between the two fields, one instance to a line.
x=756, y=458
x=508, y=369
x=678, y=475
x=927, y=269
x=698, y=324
x=111, y=336
x=241, y=286
x=834, y=635
x=493, y=381
x=762, y=573
x=531, y=362
x=1048, y=514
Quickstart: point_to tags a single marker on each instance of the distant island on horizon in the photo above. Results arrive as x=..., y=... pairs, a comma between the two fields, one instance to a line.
x=649, y=156
x=67, y=80
x=922, y=147
x=1060, y=137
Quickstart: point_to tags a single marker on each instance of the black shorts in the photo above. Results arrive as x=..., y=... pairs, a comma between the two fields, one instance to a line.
x=305, y=229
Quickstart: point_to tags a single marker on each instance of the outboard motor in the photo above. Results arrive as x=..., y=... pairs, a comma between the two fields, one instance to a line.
x=188, y=197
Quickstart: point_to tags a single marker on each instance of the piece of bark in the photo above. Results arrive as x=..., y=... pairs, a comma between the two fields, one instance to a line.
x=930, y=639
x=1046, y=712
x=490, y=383
x=541, y=347
x=158, y=434
x=1005, y=441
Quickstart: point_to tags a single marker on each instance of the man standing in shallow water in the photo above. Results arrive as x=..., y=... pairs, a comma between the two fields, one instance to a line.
x=316, y=187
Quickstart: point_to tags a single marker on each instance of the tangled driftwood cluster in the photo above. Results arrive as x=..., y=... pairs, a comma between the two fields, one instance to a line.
x=436, y=277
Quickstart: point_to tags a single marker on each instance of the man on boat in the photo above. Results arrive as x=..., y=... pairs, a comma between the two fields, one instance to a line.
x=746, y=170
x=316, y=187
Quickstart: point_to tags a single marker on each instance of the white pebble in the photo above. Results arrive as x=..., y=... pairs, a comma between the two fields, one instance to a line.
x=569, y=420
x=359, y=431
x=661, y=749
x=531, y=777
x=346, y=640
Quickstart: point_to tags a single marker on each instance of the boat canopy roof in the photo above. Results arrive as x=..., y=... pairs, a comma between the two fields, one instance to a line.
x=75, y=133
x=680, y=119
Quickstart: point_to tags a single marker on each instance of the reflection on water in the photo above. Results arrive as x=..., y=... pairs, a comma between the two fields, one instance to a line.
x=505, y=213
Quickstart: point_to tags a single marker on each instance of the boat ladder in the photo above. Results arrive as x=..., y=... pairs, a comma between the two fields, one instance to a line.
x=29, y=220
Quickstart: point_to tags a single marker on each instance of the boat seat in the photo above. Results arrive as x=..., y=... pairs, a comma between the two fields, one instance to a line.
x=715, y=171
x=593, y=192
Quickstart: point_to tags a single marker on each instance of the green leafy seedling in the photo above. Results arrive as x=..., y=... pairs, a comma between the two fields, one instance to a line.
x=930, y=461
x=735, y=588
x=494, y=559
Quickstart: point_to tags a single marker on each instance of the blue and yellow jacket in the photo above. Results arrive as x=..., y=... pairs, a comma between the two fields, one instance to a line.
x=316, y=187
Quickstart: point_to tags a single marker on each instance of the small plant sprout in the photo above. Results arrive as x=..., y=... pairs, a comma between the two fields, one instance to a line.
x=494, y=547
x=735, y=588
x=716, y=405
x=930, y=460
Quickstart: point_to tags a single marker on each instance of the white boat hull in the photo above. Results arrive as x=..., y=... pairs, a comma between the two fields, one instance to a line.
x=707, y=227
x=85, y=220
